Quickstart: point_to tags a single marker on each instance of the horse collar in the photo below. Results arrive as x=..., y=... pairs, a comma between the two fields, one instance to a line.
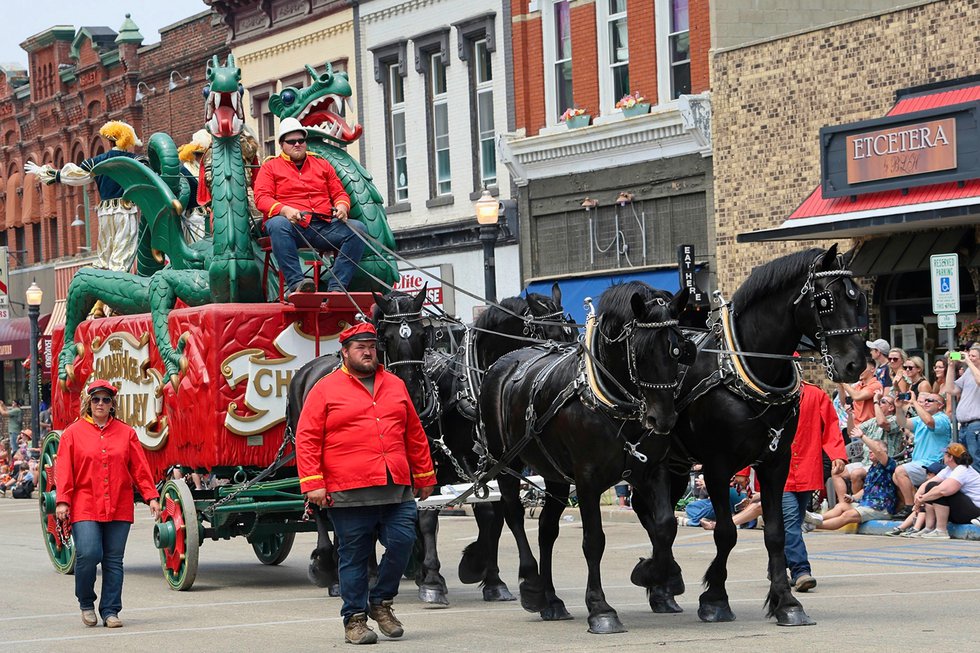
x=742, y=380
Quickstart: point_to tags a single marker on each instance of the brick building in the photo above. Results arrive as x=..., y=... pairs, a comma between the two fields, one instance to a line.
x=780, y=106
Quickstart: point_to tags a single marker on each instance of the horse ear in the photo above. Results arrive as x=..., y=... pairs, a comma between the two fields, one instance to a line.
x=829, y=258
x=420, y=298
x=556, y=294
x=679, y=302
x=849, y=256
x=380, y=301
x=638, y=305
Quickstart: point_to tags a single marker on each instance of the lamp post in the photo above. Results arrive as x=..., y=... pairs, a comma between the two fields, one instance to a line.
x=34, y=297
x=79, y=222
x=487, y=214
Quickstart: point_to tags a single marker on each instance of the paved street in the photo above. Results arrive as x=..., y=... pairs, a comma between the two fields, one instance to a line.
x=872, y=592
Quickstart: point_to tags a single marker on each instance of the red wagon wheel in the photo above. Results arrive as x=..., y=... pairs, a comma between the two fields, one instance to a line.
x=177, y=535
x=57, y=540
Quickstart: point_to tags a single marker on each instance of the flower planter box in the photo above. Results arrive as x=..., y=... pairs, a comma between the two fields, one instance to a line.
x=636, y=110
x=578, y=121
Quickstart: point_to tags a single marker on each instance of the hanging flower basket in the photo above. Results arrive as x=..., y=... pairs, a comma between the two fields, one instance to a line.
x=581, y=120
x=639, y=109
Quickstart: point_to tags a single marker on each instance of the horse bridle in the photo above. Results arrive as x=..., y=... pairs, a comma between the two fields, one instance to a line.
x=823, y=303
x=431, y=408
x=534, y=327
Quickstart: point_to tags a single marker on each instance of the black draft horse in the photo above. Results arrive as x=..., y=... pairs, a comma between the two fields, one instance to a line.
x=496, y=332
x=591, y=424
x=734, y=411
x=402, y=341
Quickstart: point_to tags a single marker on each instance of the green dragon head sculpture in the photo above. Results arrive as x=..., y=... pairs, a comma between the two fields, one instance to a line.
x=319, y=106
x=224, y=111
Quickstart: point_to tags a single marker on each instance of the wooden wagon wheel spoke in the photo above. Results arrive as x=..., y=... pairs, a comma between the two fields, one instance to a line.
x=177, y=536
x=60, y=550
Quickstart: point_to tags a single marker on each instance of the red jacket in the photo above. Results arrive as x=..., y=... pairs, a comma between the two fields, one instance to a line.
x=97, y=468
x=315, y=187
x=818, y=429
x=348, y=439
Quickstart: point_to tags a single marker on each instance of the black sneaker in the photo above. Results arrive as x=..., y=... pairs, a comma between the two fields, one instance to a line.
x=306, y=285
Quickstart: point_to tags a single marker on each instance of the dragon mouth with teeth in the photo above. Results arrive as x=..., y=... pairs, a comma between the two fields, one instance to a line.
x=324, y=116
x=224, y=113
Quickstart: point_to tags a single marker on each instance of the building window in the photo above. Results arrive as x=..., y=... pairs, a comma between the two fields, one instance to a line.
x=36, y=237
x=439, y=111
x=614, y=80
x=396, y=121
x=556, y=17
x=674, y=48
x=19, y=245
x=267, y=128
x=483, y=79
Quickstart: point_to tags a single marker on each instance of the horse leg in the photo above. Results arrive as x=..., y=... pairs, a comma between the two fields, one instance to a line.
x=322, y=571
x=657, y=517
x=780, y=602
x=490, y=521
x=532, y=589
x=603, y=619
x=555, y=503
x=432, y=586
x=714, y=606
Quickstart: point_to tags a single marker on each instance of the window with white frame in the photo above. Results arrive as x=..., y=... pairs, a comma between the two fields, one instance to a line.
x=483, y=90
x=396, y=117
x=614, y=81
x=557, y=34
x=673, y=49
x=439, y=112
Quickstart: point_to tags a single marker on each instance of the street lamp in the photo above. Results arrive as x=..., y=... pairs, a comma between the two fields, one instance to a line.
x=139, y=94
x=34, y=297
x=487, y=214
x=180, y=78
x=79, y=222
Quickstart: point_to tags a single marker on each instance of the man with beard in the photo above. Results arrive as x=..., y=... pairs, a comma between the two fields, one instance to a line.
x=360, y=452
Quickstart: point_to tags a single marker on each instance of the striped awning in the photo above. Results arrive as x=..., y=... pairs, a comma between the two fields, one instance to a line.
x=58, y=313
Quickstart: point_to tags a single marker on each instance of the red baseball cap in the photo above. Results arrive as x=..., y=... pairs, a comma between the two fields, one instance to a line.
x=102, y=384
x=359, y=331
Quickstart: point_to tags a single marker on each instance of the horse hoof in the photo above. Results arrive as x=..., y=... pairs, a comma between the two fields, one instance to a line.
x=794, y=617
x=471, y=570
x=434, y=597
x=715, y=613
x=675, y=584
x=318, y=575
x=555, y=612
x=665, y=605
x=497, y=593
x=532, y=599
x=334, y=590
x=642, y=575
x=606, y=624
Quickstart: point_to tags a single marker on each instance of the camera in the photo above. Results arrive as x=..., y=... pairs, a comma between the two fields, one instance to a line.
x=904, y=396
x=849, y=400
x=955, y=356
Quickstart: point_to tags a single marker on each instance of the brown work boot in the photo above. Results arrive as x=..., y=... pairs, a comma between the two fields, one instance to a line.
x=358, y=632
x=89, y=618
x=387, y=622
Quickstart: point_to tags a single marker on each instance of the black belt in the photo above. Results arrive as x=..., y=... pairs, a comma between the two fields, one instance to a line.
x=968, y=422
x=326, y=217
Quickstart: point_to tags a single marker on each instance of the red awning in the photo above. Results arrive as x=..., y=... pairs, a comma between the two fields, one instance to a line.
x=936, y=206
x=15, y=336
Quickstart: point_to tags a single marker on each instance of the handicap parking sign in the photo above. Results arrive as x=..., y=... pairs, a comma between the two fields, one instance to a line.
x=944, y=284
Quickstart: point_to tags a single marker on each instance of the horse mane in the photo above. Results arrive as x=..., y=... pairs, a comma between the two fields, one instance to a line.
x=774, y=276
x=492, y=318
x=614, y=303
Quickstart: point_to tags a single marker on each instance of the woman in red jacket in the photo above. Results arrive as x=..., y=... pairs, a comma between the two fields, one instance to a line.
x=99, y=461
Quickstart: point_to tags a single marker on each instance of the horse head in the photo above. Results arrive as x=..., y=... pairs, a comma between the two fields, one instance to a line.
x=548, y=320
x=641, y=347
x=832, y=311
x=402, y=339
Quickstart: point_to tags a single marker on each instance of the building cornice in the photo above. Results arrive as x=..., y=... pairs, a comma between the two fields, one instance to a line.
x=293, y=44
x=392, y=12
x=676, y=130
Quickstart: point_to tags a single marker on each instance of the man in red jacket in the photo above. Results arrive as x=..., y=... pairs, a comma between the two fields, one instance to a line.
x=360, y=451
x=817, y=430
x=303, y=201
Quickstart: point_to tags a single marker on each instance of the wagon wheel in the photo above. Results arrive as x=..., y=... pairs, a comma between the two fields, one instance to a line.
x=60, y=550
x=273, y=549
x=177, y=535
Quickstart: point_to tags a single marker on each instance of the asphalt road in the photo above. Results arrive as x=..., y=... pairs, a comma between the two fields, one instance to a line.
x=873, y=592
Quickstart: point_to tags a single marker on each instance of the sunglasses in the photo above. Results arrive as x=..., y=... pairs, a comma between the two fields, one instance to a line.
x=101, y=400
x=889, y=358
x=930, y=401
x=886, y=402
x=909, y=367
x=294, y=141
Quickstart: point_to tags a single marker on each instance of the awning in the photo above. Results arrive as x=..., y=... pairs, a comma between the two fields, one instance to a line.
x=58, y=314
x=906, y=252
x=15, y=337
x=937, y=206
x=574, y=290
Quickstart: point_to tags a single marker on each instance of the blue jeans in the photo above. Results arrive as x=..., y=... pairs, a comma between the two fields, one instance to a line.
x=100, y=543
x=357, y=529
x=969, y=435
x=287, y=238
x=794, y=507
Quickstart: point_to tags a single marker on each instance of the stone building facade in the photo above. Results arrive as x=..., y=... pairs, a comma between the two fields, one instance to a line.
x=771, y=99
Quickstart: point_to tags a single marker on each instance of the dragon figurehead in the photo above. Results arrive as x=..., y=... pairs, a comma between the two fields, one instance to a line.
x=224, y=111
x=319, y=106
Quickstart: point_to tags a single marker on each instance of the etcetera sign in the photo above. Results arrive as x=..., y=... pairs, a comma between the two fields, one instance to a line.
x=901, y=151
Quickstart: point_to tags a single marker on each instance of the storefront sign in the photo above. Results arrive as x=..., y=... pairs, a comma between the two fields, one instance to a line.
x=413, y=280
x=124, y=361
x=900, y=152
x=685, y=268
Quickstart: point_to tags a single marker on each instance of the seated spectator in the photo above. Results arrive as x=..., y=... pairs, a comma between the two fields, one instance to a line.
x=896, y=361
x=702, y=510
x=6, y=480
x=876, y=500
x=747, y=513
x=623, y=495
x=931, y=432
x=24, y=483
x=882, y=427
x=918, y=521
x=954, y=495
